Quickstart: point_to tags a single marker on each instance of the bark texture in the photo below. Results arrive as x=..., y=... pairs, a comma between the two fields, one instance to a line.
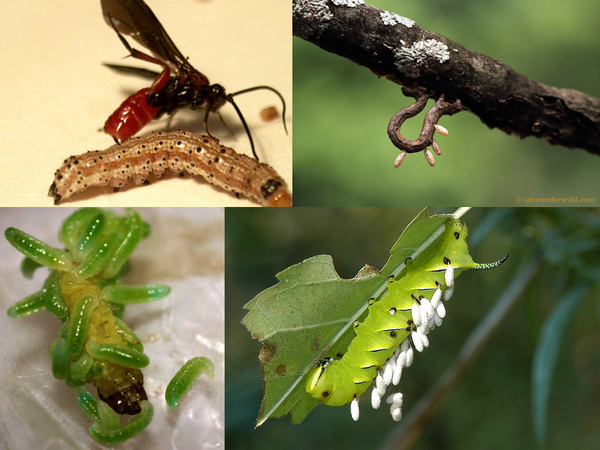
x=417, y=58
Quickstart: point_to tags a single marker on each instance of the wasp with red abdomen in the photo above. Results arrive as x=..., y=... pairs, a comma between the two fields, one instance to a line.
x=179, y=84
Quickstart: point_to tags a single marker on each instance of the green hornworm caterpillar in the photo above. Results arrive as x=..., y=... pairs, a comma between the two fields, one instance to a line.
x=411, y=307
x=84, y=290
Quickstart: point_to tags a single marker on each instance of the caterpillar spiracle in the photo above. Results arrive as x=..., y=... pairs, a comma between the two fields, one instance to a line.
x=400, y=320
x=85, y=291
x=178, y=151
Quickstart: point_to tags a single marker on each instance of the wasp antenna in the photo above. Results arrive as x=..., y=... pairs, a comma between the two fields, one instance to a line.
x=269, y=88
x=241, y=116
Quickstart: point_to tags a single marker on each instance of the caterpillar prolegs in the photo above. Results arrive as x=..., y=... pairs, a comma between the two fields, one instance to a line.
x=177, y=151
x=397, y=323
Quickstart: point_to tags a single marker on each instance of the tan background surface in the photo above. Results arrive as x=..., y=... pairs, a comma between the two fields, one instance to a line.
x=56, y=95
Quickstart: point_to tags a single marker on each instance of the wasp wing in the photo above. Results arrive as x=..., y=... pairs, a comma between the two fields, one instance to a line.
x=134, y=18
x=130, y=70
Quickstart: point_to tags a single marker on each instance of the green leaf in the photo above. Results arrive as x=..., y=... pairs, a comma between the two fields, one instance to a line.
x=309, y=315
x=546, y=356
x=298, y=320
x=417, y=236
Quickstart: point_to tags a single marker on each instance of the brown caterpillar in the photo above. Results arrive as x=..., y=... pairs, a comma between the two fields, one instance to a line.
x=179, y=151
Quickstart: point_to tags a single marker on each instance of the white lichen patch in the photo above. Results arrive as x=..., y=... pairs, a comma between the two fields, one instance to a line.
x=316, y=12
x=418, y=52
x=389, y=18
x=348, y=3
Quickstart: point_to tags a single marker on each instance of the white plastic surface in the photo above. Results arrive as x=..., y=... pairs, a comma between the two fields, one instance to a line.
x=184, y=251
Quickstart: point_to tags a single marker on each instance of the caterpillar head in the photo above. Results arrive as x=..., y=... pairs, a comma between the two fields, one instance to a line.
x=320, y=386
x=125, y=400
x=455, y=249
x=455, y=241
x=451, y=248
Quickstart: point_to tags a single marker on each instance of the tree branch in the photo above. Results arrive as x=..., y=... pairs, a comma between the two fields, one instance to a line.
x=394, y=47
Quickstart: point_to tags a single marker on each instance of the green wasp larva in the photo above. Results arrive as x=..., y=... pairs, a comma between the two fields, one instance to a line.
x=74, y=355
x=184, y=379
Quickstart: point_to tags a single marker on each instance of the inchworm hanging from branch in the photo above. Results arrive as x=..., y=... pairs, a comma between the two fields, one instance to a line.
x=440, y=108
x=179, y=151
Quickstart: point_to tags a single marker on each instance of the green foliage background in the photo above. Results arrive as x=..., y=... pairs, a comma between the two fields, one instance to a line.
x=343, y=157
x=491, y=407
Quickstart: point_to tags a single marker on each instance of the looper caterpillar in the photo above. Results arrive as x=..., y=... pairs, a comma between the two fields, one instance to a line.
x=179, y=151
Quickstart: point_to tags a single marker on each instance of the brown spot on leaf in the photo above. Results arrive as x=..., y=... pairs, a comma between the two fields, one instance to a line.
x=315, y=344
x=267, y=352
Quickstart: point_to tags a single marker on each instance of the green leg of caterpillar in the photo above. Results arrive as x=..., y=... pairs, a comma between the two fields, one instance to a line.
x=184, y=379
x=29, y=305
x=54, y=301
x=73, y=226
x=80, y=322
x=128, y=294
x=61, y=360
x=130, y=429
x=28, y=266
x=81, y=368
x=90, y=237
x=38, y=251
x=132, y=340
x=98, y=258
x=128, y=244
x=88, y=403
x=118, y=354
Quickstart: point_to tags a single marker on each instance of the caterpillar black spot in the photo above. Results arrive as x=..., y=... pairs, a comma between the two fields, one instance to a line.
x=178, y=151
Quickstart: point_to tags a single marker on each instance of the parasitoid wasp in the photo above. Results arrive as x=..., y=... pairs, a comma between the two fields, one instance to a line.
x=179, y=84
